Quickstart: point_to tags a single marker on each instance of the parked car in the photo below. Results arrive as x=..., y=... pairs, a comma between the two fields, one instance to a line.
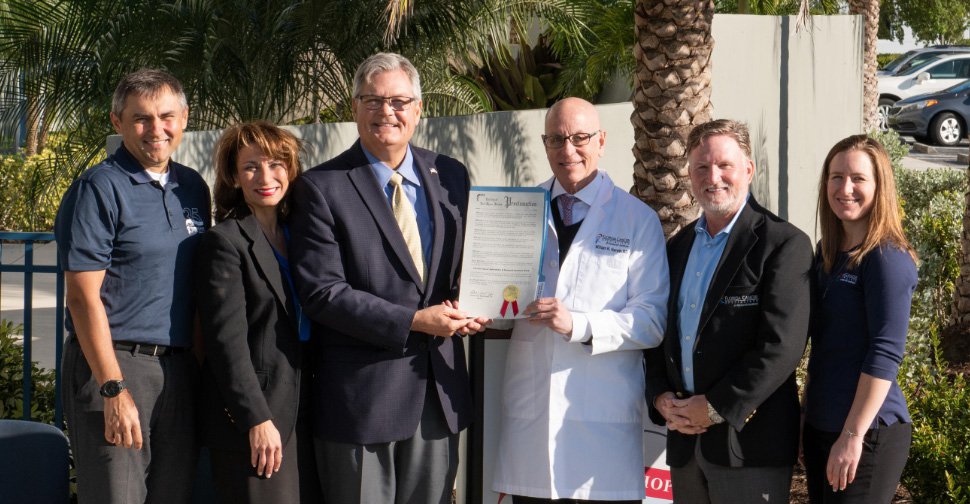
x=937, y=74
x=940, y=118
x=917, y=57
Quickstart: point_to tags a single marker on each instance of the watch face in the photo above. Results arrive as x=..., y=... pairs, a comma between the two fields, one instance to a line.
x=112, y=388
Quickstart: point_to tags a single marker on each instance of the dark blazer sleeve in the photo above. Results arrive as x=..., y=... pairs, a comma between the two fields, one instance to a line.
x=328, y=298
x=221, y=297
x=784, y=311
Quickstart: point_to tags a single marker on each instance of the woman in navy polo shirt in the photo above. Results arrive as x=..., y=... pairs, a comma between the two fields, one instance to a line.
x=254, y=388
x=857, y=428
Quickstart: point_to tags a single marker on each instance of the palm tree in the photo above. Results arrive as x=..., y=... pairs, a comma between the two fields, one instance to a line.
x=869, y=10
x=672, y=92
x=281, y=60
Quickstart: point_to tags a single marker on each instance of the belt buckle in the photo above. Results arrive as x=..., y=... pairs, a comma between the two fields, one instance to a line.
x=155, y=351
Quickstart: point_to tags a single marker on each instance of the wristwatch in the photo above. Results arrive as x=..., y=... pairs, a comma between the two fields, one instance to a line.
x=112, y=388
x=713, y=415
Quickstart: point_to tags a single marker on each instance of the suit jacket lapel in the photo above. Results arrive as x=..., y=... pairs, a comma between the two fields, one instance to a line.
x=739, y=242
x=432, y=191
x=265, y=260
x=362, y=176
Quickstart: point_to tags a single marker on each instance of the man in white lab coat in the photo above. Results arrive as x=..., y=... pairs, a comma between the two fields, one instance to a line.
x=573, y=391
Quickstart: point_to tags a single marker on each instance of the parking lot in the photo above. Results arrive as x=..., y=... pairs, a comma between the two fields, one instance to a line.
x=923, y=156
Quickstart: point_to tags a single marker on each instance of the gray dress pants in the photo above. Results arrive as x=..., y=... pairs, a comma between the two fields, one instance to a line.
x=417, y=470
x=164, y=391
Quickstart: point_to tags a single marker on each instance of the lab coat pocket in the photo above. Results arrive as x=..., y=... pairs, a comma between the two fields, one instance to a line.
x=520, y=394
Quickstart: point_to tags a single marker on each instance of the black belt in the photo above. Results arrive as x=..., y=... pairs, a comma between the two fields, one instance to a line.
x=147, y=349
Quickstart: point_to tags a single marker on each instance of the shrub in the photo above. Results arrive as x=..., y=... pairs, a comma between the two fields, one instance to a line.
x=12, y=376
x=933, y=207
x=31, y=188
x=938, y=468
x=884, y=59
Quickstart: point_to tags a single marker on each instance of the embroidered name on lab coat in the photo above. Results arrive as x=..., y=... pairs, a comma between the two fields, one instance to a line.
x=611, y=243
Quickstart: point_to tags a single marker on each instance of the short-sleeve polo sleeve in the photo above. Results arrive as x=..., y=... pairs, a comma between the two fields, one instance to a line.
x=85, y=227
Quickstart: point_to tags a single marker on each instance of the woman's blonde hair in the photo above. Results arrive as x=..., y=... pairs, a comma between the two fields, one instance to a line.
x=273, y=141
x=885, y=217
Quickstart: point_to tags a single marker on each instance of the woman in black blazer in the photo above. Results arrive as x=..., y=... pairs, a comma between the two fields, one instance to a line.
x=254, y=387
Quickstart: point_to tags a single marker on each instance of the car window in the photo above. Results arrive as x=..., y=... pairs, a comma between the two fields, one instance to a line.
x=919, y=60
x=952, y=69
x=894, y=64
x=914, y=69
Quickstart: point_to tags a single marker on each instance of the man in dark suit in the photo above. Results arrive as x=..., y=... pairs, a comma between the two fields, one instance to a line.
x=376, y=247
x=724, y=381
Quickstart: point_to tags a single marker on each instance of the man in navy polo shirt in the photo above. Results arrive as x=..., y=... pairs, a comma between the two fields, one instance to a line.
x=126, y=234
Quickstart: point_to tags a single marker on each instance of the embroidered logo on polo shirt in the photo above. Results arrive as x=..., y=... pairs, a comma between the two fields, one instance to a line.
x=849, y=278
x=740, y=301
x=193, y=221
x=611, y=243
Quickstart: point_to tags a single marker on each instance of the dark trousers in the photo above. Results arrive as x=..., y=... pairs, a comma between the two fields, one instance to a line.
x=701, y=482
x=296, y=482
x=417, y=470
x=884, y=454
x=164, y=391
x=518, y=499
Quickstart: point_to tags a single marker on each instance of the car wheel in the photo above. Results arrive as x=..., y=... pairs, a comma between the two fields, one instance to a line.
x=884, y=105
x=946, y=129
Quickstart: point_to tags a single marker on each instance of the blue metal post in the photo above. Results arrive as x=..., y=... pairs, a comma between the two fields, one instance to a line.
x=28, y=324
x=28, y=269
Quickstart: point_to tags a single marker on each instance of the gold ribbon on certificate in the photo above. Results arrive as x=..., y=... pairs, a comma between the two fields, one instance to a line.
x=510, y=294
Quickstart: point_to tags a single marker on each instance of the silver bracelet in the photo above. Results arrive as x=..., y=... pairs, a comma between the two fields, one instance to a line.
x=850, y=433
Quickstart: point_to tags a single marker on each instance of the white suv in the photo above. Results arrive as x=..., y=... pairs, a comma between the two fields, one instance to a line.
x=937, y=74
x=917, y=57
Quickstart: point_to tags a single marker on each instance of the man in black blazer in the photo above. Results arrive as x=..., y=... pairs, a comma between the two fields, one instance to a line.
x=724, y=381
x=374, y=259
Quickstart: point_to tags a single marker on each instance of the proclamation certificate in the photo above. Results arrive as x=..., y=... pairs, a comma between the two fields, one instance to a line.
x=505, y=235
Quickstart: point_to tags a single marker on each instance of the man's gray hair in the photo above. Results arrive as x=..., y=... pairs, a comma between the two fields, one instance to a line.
x=386, y=62
x=146, y=82
x=734, y=129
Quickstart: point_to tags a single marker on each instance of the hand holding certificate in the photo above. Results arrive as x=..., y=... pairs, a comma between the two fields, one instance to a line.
x=504, y=242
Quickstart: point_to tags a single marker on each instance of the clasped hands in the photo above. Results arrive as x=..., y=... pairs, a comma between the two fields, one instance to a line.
x=687, y=416
x=446, y=320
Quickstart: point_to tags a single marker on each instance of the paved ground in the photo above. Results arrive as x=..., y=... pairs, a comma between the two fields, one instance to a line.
x=923, y=156
x=12, y=299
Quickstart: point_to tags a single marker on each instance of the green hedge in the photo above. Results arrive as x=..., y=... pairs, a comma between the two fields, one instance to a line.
x=884, y=59
x=933, y=206
x=31, y=188
x=12, y=379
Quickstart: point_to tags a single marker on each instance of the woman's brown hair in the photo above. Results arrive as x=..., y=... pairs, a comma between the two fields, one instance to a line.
x=885, y=217
x=273, y=141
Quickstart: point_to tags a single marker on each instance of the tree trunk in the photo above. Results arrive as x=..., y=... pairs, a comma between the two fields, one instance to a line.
x=869, y=10
x=671, y=94
x=32, y=125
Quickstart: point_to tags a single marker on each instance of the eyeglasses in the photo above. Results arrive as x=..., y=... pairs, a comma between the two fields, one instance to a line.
x=577, y=139
x=374, y=102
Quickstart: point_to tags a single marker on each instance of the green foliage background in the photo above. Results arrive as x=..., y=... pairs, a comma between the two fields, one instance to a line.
x=12, y=376
x=939, y=402
x=31, y=187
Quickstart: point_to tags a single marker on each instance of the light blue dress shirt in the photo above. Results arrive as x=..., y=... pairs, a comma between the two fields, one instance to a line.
x=701, y=263
x=412, y=190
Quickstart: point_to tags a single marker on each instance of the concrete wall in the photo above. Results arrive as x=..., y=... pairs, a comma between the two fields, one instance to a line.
x=798, y=92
